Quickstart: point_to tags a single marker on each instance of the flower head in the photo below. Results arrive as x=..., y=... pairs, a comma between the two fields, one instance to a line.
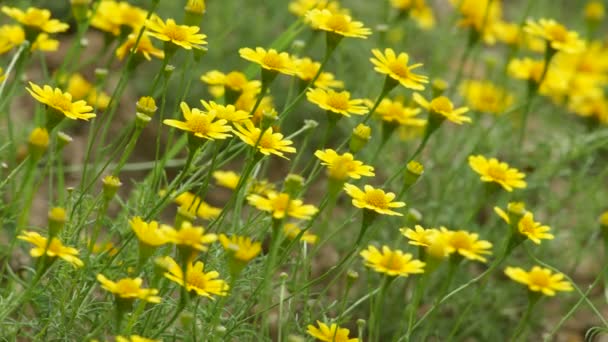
x=526, y=69
x=228, y=113
x=395, y=67
x=373, y=199
x=234, y=80
x=268, y=143
x=202, y=283
x=336, y=102
x=443, y=106
x=466, y=244
x=201, y=124
x=292, y=231
x=419, y=236
x=190, y=236
x=539, y=279
x=183, y=36
x=195, y=206
x=270, y=59
x=281, y=205
x=301, y=7
x=332, y=333
x=337, y=23
x=144, y=47
x=148, y=233
x=54, y=249
x=484, y=96
x=241, y=247
x=534, y=231
x=493, y=170
x=306, y=70
x=395, y=112
x=128, y=288
x=36, y=18
x=556, y=35
x=111, y=16
x=343, y=166
x=134, y=338
x=391, y=262
x=61, y=102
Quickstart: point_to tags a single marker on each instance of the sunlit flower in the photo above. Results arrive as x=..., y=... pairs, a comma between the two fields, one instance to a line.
x=144, y=47
x=394, y=111
x=301, y=7
x=443, y=106
x=420, y=236
x=395, y=67
x=306, y=70
x=513, y=208
x=148, y=233
x=270, y=59
x=190, y=236
x=228, y=113
x=466, y=244
x=336, y=102
x=556, y=35
x=594, y=10
x=128, y=288
x=493, y=170
x=184, y=36
x=343, y=166
x=234, y=80
x=202, y=283
x=534, y=231
x=61, y=102
x=292, y=231
x=373, y=199
x=54, y=249
x=391, y=262
x=195, y=206
x=332, y=333
x=134, y=338
x=268, y=143
x=227, y=179
x=282, y=205
x=36, y=18
x=241, y=247
x=81, y=89
x=340, y=24
x=540, y=279
x=111, y=16
x=484, y=96
x=479, y=15
x=526, y=69
x=201, y=124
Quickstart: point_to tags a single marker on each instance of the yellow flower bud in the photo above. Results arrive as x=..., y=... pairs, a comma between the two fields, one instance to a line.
x=146, y=105
x=38, y=142
x=57, y=218
x=360, y=137
x=110, y=186
x=594, y=11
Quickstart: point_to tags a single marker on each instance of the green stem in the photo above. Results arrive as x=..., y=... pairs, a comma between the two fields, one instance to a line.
x=521, y=326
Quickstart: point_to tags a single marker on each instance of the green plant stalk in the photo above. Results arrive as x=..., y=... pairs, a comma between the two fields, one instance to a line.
x=523, y=322
x=412, y=308
x=128, y=150
x=376, y=312
x=452, y=267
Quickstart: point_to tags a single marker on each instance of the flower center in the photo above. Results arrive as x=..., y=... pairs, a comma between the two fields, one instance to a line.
x=442, y=105
x=280, y=203
x=557, y=32
x=176, y=33
x=189, y=236
x=196, y=279
x=35, y=18
x=526, y=225
x=272, y=60
x=398, y=68
x=392, y=262
x=376, y=198
x=127, y=287
x=338, y=101
x=266, y=141
x=338, y=23
x=199, y=123
x=235, y=80
x=460, y=240
x=497, y=172
x=539, y=278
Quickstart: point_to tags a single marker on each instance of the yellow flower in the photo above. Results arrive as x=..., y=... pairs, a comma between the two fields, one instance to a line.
x=234, y=80
x=183, y=36
x=268, y=143
x=227, y=179
x=36, y=18
x=148, y=233
x=228, y=113
x=514, y=208
x=144, y=47
x=373, y=199
x=61, y=102
x=392, y=263
x=594, y=10
x=395, y=67
x=201, y=124
x=343, y=166
x=134, y=338
x=535, y=231
x=556, y=35
x=190, y=236
x=306, y=69
x=332, y=333
x=336, y=102
x=424, y=17
x=493, y=170
x=466, y=244
x=111, y=15
x=340, y=24
x=81, y=89
x=539, y=279
x=197, y=281
x=193, y=205
x=54, y=249
x=241, y=247
x=282, y=205
x=292, y=231
x=526, y=69
x=39, y=138
x=507, y=32
x=479, y=15
x=128, y=288
x=419, y=236
x=301, y=7
x=271, y=60
x=484, y=96
x=443, y=106
x=394, y=111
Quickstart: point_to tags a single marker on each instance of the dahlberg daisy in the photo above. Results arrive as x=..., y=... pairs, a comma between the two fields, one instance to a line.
x=60, y=104
x=128, y=289
x=443, y=107
x=540, y=279
x=268, y=143
x=343, y=166
x=53, y=249
x=336, y=102
x=373, y=199
x=281, y=205
x=493, y=170
x=338, y=24
x=331, y=333
x=201, y=124
x=196, y=281
x=395, y=67
x=183, y=36
x=557, y=36
x=391, y=262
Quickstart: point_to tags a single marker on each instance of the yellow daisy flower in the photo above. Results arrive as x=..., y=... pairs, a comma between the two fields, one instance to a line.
x=392, y=263
x=281, y=205
x=534, y=231
x=479, y=15
x=190, y=236
x=343, y=166
x=484, y=96
x=134, y=338
x=234, y=80
x=395, y=67
x=513, y=208
x=466, y=244
x=443, y=106
x=292, y=231
x=183, y=36
x=419, y=236
x=332, y=333
x=62, y=102
x=241, y=247
x=227, y=179
x=111, y=15
x=201, y=124
x=526, y=69
x=228, y=113
x=36, y=18
x=306, y=69
x=556, y=35
x=340, y=24
x=128, y=288
x=394, y=111
x=269, y=142
x=196, y=281
x=270, y=59
x=195, y=206
x=594, y=10
x=144, y=47
x=148, y=233
x=539, y=279
x=54, y=249
x=336, y=102
x=301, y=7
x=493, y=170
x=373, y=199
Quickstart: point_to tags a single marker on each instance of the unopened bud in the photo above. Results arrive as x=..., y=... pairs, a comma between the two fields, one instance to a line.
x=360, y=137
x=294, y=184
x=111, y=184
x=57, y=218
x=146, y=105
x=38, y=142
